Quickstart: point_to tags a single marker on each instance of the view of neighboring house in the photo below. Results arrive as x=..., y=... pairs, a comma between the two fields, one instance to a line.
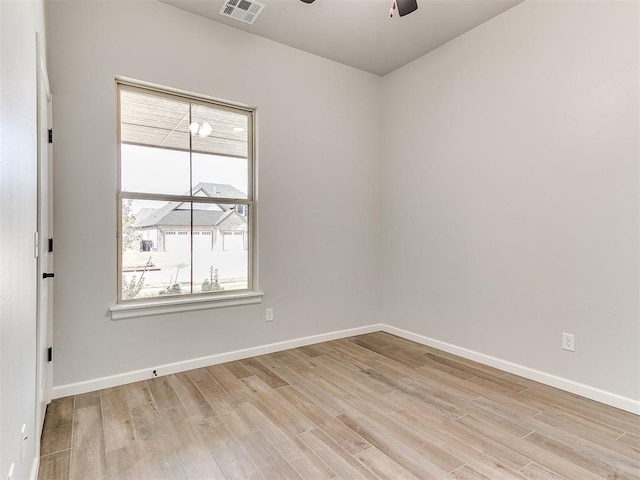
x=216, y=227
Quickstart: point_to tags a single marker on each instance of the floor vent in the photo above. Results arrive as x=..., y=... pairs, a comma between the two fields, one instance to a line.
x=242, y=10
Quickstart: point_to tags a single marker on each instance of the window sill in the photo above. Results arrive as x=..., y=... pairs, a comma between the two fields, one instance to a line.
x=130, y=310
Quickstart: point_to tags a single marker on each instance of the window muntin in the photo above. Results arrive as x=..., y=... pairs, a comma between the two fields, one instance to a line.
x=186, y=179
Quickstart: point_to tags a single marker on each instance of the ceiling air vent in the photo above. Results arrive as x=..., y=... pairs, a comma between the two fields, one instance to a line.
x=243, y=10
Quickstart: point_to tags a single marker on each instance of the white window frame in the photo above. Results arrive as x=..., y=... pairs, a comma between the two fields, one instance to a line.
x=125, y=308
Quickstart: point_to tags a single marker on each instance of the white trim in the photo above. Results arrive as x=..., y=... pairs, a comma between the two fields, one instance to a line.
x=602, y=396
x=35, y=468
x=142, y=309
x=168, y=369
x=132, y=82
x=42, y=61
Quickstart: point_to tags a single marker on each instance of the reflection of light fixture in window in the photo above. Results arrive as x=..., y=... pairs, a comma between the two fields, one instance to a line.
x=205, y=130
x=202, y=131
x=238, y=129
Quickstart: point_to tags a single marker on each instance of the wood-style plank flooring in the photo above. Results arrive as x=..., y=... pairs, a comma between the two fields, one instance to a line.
x=368, y=407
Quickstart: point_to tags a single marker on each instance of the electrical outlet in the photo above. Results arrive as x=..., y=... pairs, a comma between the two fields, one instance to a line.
x=269, y=315
x=569, y=342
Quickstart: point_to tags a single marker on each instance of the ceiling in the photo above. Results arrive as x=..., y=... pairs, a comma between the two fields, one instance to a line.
x=359, y=33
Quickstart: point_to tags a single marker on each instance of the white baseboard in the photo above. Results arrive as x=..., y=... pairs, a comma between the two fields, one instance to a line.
x=168, y=369
x=602, y=396
x=583, y=390
x=35, y=467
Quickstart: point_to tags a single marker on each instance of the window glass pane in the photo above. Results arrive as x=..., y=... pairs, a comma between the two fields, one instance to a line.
x=220, y=248
x=156, y=249
x=219, y=140
x=218, y=131
x=183, y=147
x=154, y=144
x=154, y=170
x=216, y=176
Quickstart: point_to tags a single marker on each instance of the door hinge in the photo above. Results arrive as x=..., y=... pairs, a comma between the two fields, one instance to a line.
x=49, y=354
x=51, y=245
x=51, y=135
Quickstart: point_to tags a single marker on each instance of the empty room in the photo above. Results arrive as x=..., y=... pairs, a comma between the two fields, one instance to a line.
x=320, y=239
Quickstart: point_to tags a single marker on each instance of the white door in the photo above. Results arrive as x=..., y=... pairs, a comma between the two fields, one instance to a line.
x=202, y=241
x=44, y=320
x=233, y=241
x=177, y=241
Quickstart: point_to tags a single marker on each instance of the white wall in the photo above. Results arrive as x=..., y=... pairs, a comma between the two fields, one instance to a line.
x=505, y=194
x=318, y=161
x=511, y=191
x=19, y=22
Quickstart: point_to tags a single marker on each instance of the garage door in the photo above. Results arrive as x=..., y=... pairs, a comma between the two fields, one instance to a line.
x=202, y=241
x=177, y=242
x=181, y=241
x=233, y=241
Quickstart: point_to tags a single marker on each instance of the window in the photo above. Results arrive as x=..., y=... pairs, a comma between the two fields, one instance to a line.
x=185, y=197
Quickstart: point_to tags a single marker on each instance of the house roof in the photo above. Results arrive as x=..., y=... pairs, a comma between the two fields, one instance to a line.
x=182, y=218
x=143, y=213
x=218, y=190
x=170, y=215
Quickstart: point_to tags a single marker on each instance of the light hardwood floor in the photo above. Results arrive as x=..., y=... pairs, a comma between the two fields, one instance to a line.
x=369, y=407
